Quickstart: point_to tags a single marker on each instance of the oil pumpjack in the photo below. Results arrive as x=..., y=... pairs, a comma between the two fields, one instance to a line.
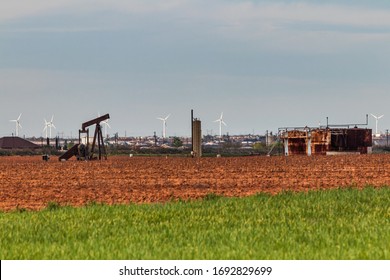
x=82, y=150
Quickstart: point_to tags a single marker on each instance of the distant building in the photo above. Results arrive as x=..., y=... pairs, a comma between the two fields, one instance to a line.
x=12, y=142
x=326, y=141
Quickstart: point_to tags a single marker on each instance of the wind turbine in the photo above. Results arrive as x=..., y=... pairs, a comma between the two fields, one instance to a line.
x=376, y=122
x=220, y=120
x=164, y=120
x=49, y=125
x=17, y=123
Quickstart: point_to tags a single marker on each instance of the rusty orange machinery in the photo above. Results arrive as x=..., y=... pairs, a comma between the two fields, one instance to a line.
x=322, y=141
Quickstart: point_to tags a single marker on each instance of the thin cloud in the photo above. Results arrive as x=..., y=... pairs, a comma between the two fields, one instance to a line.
x=301, y=12
x=295, y=25
x=242, y=12
x=16, y=10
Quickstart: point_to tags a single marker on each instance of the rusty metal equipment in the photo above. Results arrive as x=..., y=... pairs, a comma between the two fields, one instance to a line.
x=81, y=150
x=326, y=140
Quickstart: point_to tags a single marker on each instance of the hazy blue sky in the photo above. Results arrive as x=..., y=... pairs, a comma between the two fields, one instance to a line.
x=265, y=64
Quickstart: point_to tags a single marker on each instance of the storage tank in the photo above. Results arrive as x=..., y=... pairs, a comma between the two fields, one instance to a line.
x=197, y=138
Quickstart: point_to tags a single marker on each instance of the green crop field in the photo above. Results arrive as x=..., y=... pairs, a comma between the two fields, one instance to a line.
x=332, y=224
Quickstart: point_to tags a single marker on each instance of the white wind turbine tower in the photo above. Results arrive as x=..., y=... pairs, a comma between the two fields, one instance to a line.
x=49, y=125
x=46, y=126
x=17, y=123
x=105, y=123
x=220, y=120
x=164, y=120
x=376, y=123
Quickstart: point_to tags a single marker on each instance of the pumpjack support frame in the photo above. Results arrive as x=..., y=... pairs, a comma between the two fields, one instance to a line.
x=97, y=138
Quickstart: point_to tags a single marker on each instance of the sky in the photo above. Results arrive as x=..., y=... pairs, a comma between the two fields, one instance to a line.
x=264, y=64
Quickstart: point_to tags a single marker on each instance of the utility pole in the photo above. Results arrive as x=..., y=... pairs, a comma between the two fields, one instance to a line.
x=192, y=130
x=387, y=137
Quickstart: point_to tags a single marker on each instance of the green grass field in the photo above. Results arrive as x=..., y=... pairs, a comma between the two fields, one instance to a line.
x=332, y=224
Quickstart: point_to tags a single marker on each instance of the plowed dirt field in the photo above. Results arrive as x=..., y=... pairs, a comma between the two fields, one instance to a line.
x=30, y=183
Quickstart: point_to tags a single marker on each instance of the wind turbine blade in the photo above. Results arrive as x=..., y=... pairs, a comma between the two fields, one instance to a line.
x=52, y=125
x=52, y=117
x=108, y=124
x=224, y=123
x=19, y=116
x=45, y=128
x=167, y=116
x=381, y=116
x=217, y=120
x=373, y=116
x=161, y=119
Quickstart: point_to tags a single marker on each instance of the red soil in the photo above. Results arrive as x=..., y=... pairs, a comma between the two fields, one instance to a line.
x=30, y=183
